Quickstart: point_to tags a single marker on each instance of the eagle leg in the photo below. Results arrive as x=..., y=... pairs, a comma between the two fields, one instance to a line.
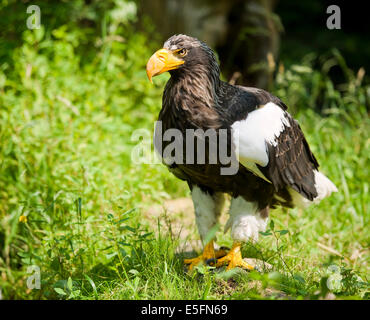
x=209, y=256
x=234, y=259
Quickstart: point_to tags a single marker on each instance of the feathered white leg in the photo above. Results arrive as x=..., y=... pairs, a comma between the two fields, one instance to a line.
x=245, y=222
x=207, y=211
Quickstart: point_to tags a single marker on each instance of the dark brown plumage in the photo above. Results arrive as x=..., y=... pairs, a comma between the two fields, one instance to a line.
x=196, y=98
x=276, y=165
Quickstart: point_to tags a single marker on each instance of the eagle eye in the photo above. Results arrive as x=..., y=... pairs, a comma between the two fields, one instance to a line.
x=182, y=52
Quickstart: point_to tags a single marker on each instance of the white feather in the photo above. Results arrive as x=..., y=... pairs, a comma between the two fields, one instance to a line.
x=207, y=209
x=323, y=186
x=250, y=135
x=245, y=221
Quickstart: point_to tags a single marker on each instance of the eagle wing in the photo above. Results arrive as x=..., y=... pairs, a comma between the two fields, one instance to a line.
x=271, y=144
x=291, y=162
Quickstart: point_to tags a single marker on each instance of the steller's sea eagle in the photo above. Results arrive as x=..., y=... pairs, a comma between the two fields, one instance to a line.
x=275, y=163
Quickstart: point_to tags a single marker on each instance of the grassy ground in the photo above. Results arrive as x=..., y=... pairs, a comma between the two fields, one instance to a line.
x=65, y=165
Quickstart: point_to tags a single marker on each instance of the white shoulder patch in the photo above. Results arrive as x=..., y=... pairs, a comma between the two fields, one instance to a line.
x=250, y=135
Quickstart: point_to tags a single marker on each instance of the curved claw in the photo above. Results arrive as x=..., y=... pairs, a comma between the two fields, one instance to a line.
x=234, y=259
x=211, y=262
x=209, y=256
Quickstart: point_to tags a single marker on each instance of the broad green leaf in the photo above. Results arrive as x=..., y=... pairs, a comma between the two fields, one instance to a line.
x=60, y=291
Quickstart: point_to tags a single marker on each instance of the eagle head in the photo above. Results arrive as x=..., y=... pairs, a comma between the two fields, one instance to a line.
x=182, y=55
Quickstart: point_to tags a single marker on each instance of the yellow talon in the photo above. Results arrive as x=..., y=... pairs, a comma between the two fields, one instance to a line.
x=234, y=259
x=208, y=253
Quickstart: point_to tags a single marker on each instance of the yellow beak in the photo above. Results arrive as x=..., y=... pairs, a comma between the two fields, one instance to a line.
x=161, y=61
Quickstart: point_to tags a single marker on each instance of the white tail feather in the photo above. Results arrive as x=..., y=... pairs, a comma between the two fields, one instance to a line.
x=324, y=188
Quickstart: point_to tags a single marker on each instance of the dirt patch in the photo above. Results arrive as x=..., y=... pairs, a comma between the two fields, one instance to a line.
x=177, y=216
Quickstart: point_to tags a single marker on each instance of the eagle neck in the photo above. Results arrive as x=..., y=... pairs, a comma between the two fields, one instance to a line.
x=193, y=98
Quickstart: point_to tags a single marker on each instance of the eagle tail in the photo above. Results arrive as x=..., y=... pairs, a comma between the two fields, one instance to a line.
x=324, y=187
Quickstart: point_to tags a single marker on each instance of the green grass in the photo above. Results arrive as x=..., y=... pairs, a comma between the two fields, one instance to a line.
x=65, y=164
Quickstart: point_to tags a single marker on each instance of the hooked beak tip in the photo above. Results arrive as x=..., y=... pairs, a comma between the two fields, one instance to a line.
x=149, y=77
x=153, y=67
x=161, y=61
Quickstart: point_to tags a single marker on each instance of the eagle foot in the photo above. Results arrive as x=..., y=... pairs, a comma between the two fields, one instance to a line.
x=211, y=262
x=209, y=256
x=234, y=259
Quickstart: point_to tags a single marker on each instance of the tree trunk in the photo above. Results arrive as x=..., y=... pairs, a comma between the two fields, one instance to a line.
x=244, y=33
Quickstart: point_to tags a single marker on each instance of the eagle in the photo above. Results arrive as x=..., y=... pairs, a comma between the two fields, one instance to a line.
x=274, y=163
